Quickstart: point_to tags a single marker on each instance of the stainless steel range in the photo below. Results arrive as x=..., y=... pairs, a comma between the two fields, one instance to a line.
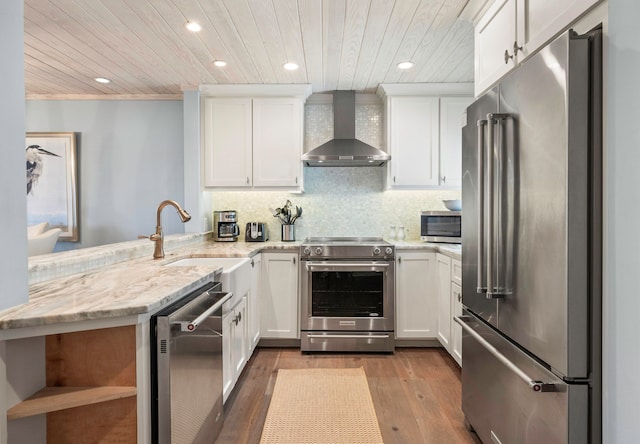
x=347, y=294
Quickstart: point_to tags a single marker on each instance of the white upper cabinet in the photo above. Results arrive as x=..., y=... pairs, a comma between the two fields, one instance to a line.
x=540, y=20
x=227, y=142
x=452, y=119
x=252, y=135
x=511, y=30
x=495, y=35
x=413, y=141
x=277, y=142
x=424, y=133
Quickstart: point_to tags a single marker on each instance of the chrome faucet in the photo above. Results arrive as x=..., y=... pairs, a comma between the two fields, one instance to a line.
x=158, y=237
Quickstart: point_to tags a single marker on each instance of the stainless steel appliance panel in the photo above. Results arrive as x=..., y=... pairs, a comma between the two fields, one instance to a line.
x=187, y=405
x=441, y=226
x=341, y=341
x=473, y=194
x=545, y=189
x=343, y=273
x=505, y=409
x=256, y=232
x=531, y=177
x=225, y=226
x=347, y=294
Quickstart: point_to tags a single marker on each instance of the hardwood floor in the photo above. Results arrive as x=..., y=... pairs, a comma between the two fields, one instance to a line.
x=416, y=394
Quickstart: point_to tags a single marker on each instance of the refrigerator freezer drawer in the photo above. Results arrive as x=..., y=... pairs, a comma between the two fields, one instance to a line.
x=502, y=407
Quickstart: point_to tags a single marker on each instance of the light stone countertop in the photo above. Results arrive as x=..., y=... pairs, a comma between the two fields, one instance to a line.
x=123, y=279
x=454, y=251
x=119, y=280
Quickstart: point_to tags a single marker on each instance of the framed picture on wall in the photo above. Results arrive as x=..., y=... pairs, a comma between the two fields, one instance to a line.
x=52, y=182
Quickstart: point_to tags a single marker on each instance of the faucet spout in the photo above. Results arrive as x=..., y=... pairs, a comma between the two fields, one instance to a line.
x=158, y=237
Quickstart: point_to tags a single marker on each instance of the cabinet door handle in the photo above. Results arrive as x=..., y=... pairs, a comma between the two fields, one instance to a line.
x=253, y=264
x=507, y=56
x=516, y=48
x=444, y=179
x=294, y=260
x=399, y=259
x=394, y=179
x=247, y=180
x=296, y=180
x=459, y=297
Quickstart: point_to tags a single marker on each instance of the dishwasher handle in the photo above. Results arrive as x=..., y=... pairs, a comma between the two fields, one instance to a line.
x=189, y=326
x=536, y=386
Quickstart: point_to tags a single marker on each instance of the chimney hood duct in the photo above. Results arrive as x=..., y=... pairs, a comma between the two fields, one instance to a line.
x=344, y=150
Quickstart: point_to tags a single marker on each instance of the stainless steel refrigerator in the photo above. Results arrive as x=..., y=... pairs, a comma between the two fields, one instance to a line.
x=531, y=250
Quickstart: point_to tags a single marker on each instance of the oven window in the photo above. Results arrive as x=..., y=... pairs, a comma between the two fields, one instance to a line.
x=443, y=226
x=347, y=294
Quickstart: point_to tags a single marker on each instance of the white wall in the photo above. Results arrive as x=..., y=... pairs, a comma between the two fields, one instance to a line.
x=622, y=220
x=198, y=202
x=13, y=223
x=130, y=158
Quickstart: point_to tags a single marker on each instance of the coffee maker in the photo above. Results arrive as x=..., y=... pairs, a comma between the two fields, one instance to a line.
x=225, y=226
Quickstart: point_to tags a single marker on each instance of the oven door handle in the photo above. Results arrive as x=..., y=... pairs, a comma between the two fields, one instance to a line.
x=329, y=266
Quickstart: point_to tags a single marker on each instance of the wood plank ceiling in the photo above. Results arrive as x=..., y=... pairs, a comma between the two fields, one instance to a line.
x=145, y=49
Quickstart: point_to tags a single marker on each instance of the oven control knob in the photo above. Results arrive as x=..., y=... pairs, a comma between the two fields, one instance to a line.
x=376, y=250
x=319, y=250
x=306, y=251
x=389, y=250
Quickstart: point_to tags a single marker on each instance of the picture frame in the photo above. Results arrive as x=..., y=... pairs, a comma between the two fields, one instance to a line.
x=52, y=182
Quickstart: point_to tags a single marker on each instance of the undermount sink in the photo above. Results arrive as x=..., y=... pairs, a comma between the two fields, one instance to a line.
x=236, y=273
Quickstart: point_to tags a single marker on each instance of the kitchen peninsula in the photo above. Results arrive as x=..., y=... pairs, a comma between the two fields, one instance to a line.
x=84, y=335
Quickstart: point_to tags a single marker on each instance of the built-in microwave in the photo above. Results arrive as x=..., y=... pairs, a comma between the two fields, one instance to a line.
x=441, y=226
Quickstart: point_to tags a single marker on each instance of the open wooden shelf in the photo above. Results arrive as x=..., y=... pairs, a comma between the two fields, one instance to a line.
x=51, y=399
x=89, y=393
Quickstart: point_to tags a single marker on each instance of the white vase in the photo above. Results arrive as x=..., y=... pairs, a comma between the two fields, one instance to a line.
x=400, y=233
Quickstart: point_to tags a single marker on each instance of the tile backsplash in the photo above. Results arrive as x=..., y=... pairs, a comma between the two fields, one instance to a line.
x=339, y=201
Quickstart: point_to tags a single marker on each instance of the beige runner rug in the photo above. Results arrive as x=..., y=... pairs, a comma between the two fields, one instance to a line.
x=321, y=406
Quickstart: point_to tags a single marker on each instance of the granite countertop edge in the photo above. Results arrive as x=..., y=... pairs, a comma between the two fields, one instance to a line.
x=124, y=280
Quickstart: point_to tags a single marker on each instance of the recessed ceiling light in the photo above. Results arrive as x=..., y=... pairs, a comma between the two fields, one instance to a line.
x=220, y=63
x=193, y=26
x=290, y=66
x=405, y=65
x=102, y=80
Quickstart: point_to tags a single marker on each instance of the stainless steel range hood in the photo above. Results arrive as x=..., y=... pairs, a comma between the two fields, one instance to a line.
x=344, y=150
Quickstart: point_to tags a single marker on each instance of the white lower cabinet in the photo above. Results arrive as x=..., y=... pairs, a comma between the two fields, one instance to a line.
x=279, y=310
x=416, y=298
x=234, y=345
x=449, y=305
x=456, y=330
x=444, y=300
x=253, y=305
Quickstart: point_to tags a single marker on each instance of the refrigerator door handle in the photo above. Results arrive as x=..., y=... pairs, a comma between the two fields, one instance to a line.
x=481, y=286
x=536, y=386
x=494, y=289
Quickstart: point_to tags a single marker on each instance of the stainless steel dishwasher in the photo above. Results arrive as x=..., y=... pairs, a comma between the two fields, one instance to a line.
x=186, y=368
